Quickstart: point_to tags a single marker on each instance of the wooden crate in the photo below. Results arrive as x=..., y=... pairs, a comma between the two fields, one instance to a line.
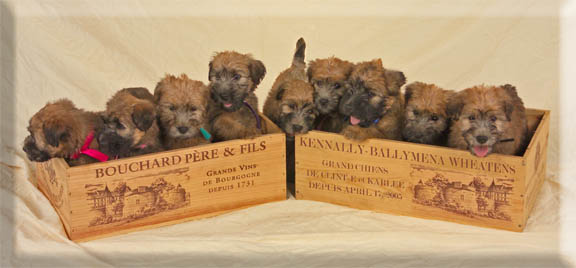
x=125, y=195
x=424, y=181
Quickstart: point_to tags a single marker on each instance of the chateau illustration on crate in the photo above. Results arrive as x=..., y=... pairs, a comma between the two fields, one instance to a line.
x=123, y=204
x=472, y=199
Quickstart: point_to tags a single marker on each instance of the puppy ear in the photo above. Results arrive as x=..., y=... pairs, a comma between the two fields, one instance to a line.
x=257, y=71
x=55, y=133
x=508, y=106
x=140, y=93
x=158, y=92
x=408, y=91
x=143, y=116
x=310, y=73
x=455, y=105
x=394, y=81
x=210, y=70
x=280, y=93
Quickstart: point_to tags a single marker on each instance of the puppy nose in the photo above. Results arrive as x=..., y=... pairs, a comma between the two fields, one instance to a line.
x=323, y=101
x=182, y=129
x=482, y=139
x=297, y=128
x=225, y=97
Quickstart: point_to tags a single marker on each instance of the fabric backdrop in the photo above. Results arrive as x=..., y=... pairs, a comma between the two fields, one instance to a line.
x=86, y=50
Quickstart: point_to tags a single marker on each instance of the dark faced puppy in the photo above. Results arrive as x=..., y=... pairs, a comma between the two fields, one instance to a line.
x=60, y=129
x=328, y=76
x=130, y=124
x=372, y=103
x=234, y=106
x=182, y=106
x=426, y=120
x=488, y=119
x=290, y=102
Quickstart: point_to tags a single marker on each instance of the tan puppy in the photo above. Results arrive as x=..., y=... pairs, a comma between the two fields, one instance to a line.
x=329, y=76
x=182, y=107
x=290, y=102
x=130, y=124
x=60, y=129
x=372, y=102
x=234, y=106
x=488, y=119
x=426, y=119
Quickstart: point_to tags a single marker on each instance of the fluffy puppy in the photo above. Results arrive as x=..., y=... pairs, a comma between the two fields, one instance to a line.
x=234, y=106
x=182, y=108
x=372, y=104
x=290, y=102
x=488, y=119
x=329, y=76
x=426, y=119
x=60, y=129
x=130, y=124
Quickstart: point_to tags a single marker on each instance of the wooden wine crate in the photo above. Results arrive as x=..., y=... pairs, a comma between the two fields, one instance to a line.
x=424, y=181
x=125, y=195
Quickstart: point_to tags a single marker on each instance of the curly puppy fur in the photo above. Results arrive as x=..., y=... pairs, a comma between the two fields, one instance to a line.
x=130, y=124
x=328, y=77
x=233, y=79
x=425, y=114
x=488, y=119
x=372, y=103
x=290, y=102
x=182, y=108
x=59, y=129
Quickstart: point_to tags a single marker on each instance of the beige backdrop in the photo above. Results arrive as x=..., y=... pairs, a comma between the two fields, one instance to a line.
x=86, y=50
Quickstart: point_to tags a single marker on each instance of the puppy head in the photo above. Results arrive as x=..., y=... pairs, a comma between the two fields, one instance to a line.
x=425, y=113
x=328, y=76
x=483, y=114
x=233, y=76
x=370, y=92
x=181, y=105
x=297, y=112
x=129, y=115
x=57, y=130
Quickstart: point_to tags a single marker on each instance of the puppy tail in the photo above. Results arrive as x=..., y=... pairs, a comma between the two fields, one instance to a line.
x=298, y=60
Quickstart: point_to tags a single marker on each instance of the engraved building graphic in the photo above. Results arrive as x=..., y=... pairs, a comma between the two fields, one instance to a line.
x=472, y=199
x=123, y=203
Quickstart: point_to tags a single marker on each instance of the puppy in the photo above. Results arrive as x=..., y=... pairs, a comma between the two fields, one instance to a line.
x=182, y=108
x=329, y=76
x=488, y=119
x=234, y=106
x=426, y=119
x=60, y=129
x=372, y=103
x=290, y=102
x=130, y=124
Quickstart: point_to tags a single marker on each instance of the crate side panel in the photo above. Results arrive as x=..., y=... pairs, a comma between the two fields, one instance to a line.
x=535, y=158
x=175, y=185
x=53, y=182
x=411, y=179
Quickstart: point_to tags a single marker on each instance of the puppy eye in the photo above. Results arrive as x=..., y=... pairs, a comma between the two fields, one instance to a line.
x=172, y=108
x=471, y=118
x=434, y=118
x=236, y=77
x=416, y=113
x=120, y=125
x=310, y=111
x=371, y=94
x=337, y=86
x=493, y=118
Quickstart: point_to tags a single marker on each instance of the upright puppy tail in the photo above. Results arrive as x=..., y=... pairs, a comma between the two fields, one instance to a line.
x=298, y=60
